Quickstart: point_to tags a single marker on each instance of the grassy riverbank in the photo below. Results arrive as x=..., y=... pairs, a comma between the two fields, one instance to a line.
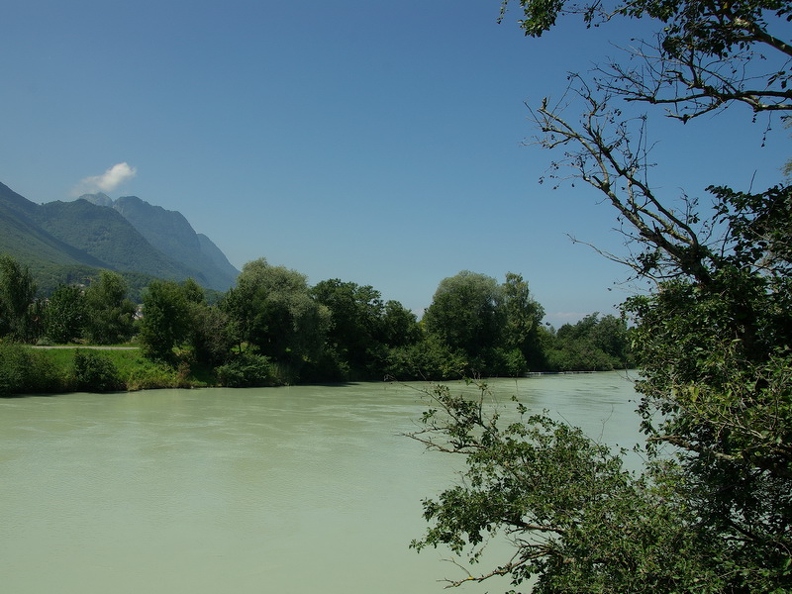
x=28, y=370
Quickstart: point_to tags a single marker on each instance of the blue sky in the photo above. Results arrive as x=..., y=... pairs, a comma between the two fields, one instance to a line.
x=376, y=142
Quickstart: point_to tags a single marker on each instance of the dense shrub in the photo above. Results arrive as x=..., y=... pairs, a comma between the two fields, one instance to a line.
x=95, y=372
x=24, y=371
x=246, y=370
x=428, y=359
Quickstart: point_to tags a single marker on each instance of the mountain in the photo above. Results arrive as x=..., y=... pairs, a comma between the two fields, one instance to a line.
x=67, y=241
x=21, y=235
x=170, y=233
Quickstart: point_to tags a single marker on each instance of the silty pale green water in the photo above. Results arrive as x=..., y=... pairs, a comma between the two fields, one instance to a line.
x=309, y=489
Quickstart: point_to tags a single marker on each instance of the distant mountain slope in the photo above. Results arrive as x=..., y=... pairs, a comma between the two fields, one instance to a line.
x=22, y=236
x=68, y=241
x=171, y=233
x=105, y=235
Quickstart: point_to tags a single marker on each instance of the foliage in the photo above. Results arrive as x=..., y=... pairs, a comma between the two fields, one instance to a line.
x=274, y=310
x=712, y=509
x=579, y=521
x=110, y=313
x=24, y=371
x=165, y=322
x=523, y=315
x=246, y=370
x=466, y=312
x=95, y=372
x=210, y=335
x=363, y=328
x=592, y=344
x=706, y=54
x=495, y=327
x=65, y=314
x=17, y=292
x=429, y=358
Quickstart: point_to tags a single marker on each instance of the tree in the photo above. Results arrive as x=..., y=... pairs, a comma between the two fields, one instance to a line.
x=110, y=314
x=166, y=320
x=17, y=296
x=399, y=326
x=210, y=334
x=706, y=54
x=274, y=310
x=523, y=318
x=592, y=344
x=495, y=326
x=363, y=328
x=356, y=319
x=466, y=312
x=714, y=513
x=65, y=314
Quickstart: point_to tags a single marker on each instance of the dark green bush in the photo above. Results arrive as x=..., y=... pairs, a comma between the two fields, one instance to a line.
x=95, y=372
x=246, y=370
x=24, y=371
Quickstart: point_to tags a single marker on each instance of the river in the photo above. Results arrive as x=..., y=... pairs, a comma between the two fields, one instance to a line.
x=294, y=490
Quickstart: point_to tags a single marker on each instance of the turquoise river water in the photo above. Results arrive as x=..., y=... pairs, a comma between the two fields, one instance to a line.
x=295, y=490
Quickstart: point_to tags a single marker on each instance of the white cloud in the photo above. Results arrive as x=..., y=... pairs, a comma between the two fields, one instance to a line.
x=107, y=182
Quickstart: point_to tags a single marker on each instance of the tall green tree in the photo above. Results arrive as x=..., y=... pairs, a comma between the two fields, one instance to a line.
x=523, y=318
x=495, y=326
x=364, y=329
x=166, y=320
x=110, y=314
x=714, y=512
x=466, y=312
x=356, y=320
x=273, y=309
x=65, y=314
x=399, y=326
x=17, y=296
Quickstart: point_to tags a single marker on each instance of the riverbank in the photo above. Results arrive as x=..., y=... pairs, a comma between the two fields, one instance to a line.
x=54, y=370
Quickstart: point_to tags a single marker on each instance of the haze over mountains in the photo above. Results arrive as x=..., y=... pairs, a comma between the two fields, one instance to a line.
x=64, y=241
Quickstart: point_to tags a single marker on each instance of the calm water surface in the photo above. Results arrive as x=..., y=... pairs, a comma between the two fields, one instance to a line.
x=308, y=489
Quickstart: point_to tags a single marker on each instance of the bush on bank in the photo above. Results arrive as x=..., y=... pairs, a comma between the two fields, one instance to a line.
x=27, y=370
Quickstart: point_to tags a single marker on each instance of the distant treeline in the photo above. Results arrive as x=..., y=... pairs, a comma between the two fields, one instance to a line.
x=273, y=328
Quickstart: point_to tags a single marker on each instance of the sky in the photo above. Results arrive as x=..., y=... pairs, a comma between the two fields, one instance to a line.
x=382, y=143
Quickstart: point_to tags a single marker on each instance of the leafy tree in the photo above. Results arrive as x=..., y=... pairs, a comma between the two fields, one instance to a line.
x=110, y=314
x=65, y=314
x=592, y=344
x=704, y=56
x=430, y=358
x=17, y=296
x=363, y=328
x=580, y=522
x=26, y=371
x=166, y=320
x=523, y=318
x=273, y=309
x=356, y=319
x=494, y=326
x=210, y=334
x=466, y=312
x=714, y=512
x=399, y=325
x=246, y=370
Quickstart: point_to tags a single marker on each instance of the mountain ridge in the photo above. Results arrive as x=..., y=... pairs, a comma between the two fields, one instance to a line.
x=61, y=241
